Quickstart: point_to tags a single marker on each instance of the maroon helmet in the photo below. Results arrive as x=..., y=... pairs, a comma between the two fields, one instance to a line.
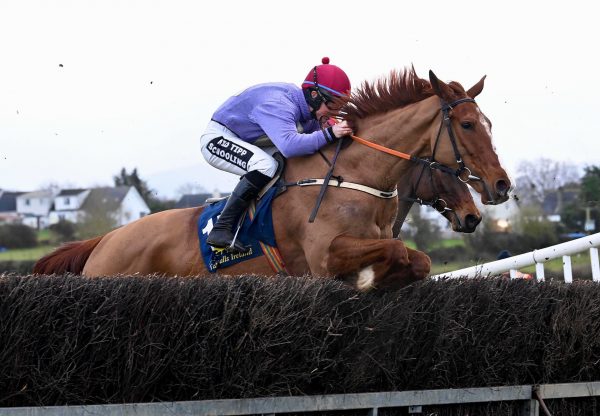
x=330, y=78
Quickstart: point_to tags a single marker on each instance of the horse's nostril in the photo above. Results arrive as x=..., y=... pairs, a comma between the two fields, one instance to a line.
x=502, y=187
x=471, y=221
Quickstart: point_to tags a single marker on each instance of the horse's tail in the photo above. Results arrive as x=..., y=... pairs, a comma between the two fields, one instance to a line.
x=68, y=258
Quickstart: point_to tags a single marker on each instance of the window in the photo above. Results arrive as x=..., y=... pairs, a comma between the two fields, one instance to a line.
x=27, y=202
x=67, y=201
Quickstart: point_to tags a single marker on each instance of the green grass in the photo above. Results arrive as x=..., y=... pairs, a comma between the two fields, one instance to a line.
x=409, y=244
x=23, y=254
x=455, y=242
x=44, y=235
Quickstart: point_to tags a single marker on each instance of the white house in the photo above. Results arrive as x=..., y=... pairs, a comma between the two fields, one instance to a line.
x=131, y=205
x=123, y=202
x=34, y=207
x=67, y=205
x=40, y=209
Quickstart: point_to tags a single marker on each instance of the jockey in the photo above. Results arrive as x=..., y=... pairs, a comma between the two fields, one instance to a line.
x=249, y=127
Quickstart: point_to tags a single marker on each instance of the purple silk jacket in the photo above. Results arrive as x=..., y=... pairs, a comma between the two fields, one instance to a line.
x=275, y=110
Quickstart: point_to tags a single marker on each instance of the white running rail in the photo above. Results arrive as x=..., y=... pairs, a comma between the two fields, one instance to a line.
x=538, y=257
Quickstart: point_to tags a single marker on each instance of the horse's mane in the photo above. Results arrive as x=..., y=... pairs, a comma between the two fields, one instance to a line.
x=399, y=89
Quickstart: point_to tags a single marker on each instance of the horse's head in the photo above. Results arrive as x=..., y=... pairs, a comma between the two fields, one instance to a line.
x=465, y=142
x=449, y=196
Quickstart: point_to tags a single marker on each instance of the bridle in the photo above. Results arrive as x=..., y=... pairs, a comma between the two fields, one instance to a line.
x=446, y=121
x=433, y=164
x=437, y=203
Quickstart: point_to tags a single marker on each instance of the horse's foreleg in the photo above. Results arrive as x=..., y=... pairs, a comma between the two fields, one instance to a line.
x=374, y=263
x=418, y=269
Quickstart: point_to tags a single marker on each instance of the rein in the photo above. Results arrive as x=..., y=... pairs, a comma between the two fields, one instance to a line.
x=445, y=108
x=446, y=121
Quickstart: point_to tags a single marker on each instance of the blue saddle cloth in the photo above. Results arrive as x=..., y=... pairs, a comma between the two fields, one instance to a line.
x=253, y=232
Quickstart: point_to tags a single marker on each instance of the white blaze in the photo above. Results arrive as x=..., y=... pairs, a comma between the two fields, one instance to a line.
x=484, y=123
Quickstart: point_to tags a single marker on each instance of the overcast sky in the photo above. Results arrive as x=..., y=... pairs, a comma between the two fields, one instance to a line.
x=88, y=87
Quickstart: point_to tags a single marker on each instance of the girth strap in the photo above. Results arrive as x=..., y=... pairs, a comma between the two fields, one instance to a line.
x=349, y=185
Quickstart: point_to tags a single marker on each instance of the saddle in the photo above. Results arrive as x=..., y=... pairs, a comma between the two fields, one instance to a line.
x=255, y=228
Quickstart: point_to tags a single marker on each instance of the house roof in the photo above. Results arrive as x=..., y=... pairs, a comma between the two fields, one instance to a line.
x=38, y=194
x=108, y=197
x=192, y=200
x=8, y=201
x=69, y=192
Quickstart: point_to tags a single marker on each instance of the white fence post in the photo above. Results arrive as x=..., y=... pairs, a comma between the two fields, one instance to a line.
x=539, y=272
x=595, y=264
x=568, y=271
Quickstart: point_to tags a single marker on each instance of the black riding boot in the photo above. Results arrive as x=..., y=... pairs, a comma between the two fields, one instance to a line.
x=222, y=233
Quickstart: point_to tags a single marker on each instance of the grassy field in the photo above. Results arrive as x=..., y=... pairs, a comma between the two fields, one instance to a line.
x=24, y=254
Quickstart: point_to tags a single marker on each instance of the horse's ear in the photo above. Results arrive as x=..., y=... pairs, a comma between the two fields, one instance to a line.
x=440, y=88
x=476, y=89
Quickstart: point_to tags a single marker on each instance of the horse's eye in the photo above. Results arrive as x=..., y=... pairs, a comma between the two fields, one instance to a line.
x=466, y=125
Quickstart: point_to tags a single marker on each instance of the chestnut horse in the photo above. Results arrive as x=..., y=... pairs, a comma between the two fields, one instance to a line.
x=350, y=238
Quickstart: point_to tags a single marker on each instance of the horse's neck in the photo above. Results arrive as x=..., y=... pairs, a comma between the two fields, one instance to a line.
x=408, y=130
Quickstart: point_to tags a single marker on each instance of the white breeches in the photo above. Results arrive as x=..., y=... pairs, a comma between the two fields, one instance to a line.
x=224, y=150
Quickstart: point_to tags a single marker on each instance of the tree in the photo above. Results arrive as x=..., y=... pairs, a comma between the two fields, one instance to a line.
x=98, y=219
x=531, y=232
x=590, y=185
x=539, y=177
x=574, y=214
x=160, y=204
x=590, y=193
x=17, y=236
x=572, y=217
x=133, y=179
x=65, y=230
x=151, y=198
